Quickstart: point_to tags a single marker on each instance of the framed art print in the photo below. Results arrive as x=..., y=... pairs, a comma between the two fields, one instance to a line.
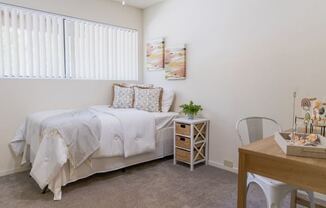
x=155, y=54
x=175, y=63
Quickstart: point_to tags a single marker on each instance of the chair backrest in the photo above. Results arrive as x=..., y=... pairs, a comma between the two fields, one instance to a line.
x=255, y=128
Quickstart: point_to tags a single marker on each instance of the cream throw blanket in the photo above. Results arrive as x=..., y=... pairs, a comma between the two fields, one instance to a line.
x=80, y=130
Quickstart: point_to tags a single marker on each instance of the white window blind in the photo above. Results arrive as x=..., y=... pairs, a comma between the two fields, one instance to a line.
x=41, y=45
x=31, y=44
x=98, y=51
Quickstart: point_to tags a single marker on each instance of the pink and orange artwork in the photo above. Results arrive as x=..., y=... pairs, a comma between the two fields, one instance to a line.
x=155, y=54
x=175, y=63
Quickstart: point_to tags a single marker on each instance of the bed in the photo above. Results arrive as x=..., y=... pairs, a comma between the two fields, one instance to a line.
x=126, y=137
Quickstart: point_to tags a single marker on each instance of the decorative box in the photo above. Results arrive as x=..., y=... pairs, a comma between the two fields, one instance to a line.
x=317, y=151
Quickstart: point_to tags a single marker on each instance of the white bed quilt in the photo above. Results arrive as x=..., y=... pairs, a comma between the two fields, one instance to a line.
x=124, y=132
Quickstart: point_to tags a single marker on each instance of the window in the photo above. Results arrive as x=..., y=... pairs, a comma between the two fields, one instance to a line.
x=40, y=45
x=31, y=44
x=110, y=52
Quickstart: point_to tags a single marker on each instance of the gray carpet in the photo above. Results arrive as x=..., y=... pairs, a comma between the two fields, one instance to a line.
x=154, y=184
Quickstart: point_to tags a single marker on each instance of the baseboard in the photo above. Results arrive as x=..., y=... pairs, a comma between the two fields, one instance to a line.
x=221, y=166
x=12, y=171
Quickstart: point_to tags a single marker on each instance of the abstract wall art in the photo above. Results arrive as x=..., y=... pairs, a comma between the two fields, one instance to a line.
x=175, y=63
x=155, y=54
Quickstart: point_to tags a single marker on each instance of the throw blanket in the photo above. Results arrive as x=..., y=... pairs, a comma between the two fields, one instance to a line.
x=80, y=130
x=30, y=133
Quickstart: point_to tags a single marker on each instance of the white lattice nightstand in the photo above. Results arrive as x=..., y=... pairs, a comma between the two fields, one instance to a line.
x=191, y=141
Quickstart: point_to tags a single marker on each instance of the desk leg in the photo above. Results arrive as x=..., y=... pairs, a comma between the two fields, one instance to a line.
x=321, y=130
x=174, y=137
x=242, y=181
x=293, y=199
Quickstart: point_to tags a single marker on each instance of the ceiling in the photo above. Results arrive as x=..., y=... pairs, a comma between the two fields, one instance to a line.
x=142, y=4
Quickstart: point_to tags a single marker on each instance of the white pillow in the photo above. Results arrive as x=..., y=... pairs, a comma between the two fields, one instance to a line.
x=167, y=100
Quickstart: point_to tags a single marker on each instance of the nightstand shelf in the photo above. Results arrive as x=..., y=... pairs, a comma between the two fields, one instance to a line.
x=191, y=141
x=182, y=135
x=183, y=148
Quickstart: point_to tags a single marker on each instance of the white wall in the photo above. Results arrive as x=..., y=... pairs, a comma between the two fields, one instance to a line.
x=20, y=97
x=244, y=58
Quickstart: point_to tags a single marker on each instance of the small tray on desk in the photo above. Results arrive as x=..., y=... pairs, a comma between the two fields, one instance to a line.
x=284, y=141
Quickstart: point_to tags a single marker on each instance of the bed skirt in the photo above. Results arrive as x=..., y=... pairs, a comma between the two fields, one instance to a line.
x=164, y=148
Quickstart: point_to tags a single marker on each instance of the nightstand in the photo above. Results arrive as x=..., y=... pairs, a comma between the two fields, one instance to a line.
x=191, y=141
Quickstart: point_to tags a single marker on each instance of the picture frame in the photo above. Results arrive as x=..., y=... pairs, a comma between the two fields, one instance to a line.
x=175, y=63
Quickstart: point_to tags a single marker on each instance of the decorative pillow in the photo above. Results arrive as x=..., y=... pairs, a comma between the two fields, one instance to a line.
x=137, y=85
x=167, y=99
x=148, y=99
x=123, y=97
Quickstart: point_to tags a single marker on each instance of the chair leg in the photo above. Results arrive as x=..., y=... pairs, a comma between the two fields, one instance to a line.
x=275, y=196
x=273, y=205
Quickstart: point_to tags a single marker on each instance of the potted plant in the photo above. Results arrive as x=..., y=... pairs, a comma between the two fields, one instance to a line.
x=191, y=109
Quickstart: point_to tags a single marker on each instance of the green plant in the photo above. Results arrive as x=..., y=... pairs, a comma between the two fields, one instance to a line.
x=191, y=109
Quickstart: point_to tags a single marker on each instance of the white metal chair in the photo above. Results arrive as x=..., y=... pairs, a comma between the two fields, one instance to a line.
x=274, y=190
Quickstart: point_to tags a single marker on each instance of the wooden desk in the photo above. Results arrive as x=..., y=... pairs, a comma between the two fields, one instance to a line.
x=265, y=158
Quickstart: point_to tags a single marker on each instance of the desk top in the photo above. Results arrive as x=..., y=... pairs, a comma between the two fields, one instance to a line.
x=269, y=148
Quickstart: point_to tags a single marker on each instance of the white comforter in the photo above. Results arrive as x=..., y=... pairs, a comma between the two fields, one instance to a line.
x=138, y=130
x=124, y=132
